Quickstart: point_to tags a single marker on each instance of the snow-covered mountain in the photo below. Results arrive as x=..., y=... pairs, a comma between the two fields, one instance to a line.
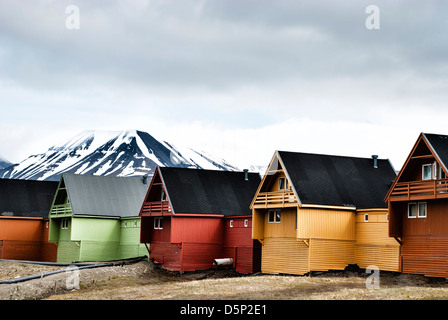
x=4, y=163
x=123, y=153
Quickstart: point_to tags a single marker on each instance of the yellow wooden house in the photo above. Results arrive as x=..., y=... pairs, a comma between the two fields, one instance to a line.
x=316, y=212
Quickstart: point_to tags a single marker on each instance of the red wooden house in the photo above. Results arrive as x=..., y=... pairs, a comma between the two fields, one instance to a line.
x=190, y=217
x=418, y=208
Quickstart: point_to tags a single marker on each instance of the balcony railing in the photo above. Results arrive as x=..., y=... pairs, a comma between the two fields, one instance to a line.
x=156, y=208
x=61, y=209
x=419, y=190
x=275, y=199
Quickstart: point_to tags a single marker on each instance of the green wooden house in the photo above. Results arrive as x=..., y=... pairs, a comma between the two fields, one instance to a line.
x=96, y=218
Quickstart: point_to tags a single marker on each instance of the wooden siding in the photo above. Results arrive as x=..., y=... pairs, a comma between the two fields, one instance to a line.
x=199, y=256
x=331, y=254
x=68, y=251
x=239, y=245
x=26, y=239
x=197, y=229
x=284, y=255
x=325, y=224
x=286, y=227
x=167, y=254
x=373, y=244
x=426, y=255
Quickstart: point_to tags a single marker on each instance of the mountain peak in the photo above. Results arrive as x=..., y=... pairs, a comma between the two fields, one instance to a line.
x=117, y=153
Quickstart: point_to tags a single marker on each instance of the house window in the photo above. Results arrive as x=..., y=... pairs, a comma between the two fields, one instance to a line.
x=366, y=217
x=282, y=183
x=163, y=197
x=417, y=210
x=125, y=224
x=231, y=223
x=64, y=224
x=426, y=172
x=274, y=216
x=135, y=223
x=246, y=223
x=158, y=223
x=421, y=210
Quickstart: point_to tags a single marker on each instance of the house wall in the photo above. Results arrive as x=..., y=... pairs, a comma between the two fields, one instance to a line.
x=130, y=246
x=373, y=244
x=239, y=245
x=425, y=241
x=25, y=239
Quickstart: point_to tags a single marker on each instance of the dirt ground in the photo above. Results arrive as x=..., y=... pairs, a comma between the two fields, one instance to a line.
x=145, y=281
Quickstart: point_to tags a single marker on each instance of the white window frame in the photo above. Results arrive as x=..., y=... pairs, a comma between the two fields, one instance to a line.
x=416, y=210
x=366, y=217
x=64, y=223
x=163, y=195
x=277, y=216
x=246, y=223
x=430, y=166
x=231, y=223
x=158, y=224
x=419, y=215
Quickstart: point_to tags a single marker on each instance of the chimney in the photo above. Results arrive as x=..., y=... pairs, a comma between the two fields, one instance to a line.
x=375, y=161
x=246, y=174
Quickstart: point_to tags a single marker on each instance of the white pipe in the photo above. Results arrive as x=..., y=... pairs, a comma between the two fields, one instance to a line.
x=223, y=262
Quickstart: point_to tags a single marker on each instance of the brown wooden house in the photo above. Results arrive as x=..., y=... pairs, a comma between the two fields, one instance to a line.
x=190, y=217
x=418, y=208
x=24, y=223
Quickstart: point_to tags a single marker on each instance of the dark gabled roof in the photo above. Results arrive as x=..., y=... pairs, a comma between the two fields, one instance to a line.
x=26, y=198
x=105, y=196
x=199, y=191
x=439, y=144
x=338, y=180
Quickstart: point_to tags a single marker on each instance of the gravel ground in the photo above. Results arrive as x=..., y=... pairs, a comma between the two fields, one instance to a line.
x=145, y=281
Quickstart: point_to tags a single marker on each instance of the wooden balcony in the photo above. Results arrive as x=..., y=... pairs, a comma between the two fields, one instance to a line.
x=156, y=208
x=61, y=210
x=420, y=190
x=276, y=199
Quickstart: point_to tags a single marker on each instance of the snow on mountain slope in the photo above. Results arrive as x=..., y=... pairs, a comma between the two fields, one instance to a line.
x=118, y=153
x=4, y=163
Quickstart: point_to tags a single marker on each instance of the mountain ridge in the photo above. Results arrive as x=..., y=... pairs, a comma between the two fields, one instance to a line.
x=117, y=153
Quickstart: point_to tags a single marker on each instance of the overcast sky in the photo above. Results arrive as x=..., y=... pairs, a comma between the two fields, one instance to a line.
x=239, y=79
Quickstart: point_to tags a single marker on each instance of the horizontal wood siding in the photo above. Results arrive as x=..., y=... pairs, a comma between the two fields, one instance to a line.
x=426, y=255
x=284, y=255
x=373, y=244
x=200, y=256
x=330, y=254
x=68, y=251
x=167, y=254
